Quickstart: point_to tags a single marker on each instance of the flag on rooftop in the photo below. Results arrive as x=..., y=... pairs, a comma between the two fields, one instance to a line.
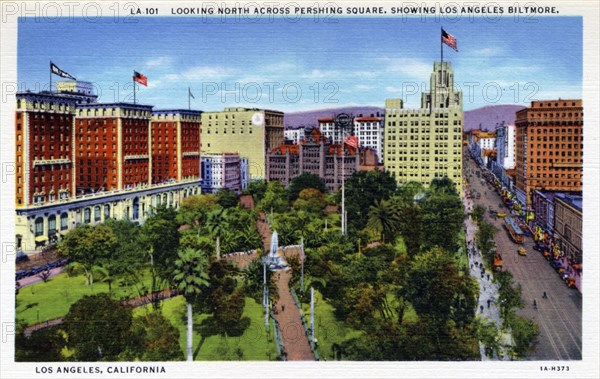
x=57, y=71
x=140, y=78
x=449, y=40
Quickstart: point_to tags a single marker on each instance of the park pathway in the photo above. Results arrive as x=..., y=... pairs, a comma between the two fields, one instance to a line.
x=295, y=342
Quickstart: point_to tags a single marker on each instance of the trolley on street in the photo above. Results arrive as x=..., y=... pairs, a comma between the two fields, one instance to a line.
x=515, y=232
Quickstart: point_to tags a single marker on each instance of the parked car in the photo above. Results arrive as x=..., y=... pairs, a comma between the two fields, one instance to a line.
x=20, y=274
x=22, y=257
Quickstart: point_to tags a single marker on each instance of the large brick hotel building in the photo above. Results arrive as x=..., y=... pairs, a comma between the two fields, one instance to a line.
x=549, y=147
x=81, y=162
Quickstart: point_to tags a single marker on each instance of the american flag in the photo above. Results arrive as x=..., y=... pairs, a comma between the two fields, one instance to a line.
x=140, y=78
x=449, y=40
x=351, y=141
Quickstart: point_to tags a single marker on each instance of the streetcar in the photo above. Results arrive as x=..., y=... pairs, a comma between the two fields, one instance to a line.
x=514, y=231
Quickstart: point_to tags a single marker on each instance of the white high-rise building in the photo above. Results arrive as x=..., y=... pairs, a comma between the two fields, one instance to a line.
x=369, y=131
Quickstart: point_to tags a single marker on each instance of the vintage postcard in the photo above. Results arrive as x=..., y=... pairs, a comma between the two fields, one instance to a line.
x=299, y=189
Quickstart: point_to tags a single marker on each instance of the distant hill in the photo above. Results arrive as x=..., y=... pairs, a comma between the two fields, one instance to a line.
x=487, y=116
x=490, y=115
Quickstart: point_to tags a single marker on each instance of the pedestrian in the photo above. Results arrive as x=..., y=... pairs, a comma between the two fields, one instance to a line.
x=534, y=304
x=283, y=307
x=488, y=276
x=481, y=307
x=545, y=296
x=488, y=302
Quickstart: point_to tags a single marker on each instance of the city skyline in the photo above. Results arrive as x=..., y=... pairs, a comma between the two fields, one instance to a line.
x=270, y=60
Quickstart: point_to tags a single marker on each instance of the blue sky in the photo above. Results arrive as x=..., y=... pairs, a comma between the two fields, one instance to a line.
x=356, y=61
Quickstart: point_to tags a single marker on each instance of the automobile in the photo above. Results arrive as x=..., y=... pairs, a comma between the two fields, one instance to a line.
x=22, y=257
x=20, y=274
x=501, y=214
x=36, y=270
x=522, y=251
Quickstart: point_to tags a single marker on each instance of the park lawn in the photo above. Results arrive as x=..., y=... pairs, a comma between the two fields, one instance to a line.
x=208, y=345
x=328, y=330
x=46, y=301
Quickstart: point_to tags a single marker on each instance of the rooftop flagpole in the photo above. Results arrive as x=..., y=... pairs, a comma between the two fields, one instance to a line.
x=133, y=77
x=50, y=77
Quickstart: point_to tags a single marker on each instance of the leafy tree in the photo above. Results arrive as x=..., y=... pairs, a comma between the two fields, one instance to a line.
x=128, y=256
x=154, y=339
x=193, y=209
x=275, y=198
x=257, y=189
x=43, y=345
x=384, y=219
x=524, y=333
x=487, y=333
x=443, y=185
x=161, y=237
x=485, y=237
x=363, y=188
x=477, y=213
x=98, y=328
x=432, y=284
x=405, y=194
x=217, y=224
x=310, y=200
x=227, y=198
x=410, y=226
x=190, y=276
x=88, y=246
x=305, y=181
x=442, y=220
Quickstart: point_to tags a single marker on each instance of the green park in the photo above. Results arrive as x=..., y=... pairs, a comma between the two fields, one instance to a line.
x=394, y=286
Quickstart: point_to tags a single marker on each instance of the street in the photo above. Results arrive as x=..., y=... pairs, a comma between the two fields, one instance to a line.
x=558, y=315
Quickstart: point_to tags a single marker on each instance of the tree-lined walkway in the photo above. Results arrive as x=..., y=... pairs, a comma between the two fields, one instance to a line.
x=287, y=314
x=295, y=342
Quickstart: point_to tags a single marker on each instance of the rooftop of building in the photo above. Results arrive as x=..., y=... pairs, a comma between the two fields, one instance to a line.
x=51, y=95
x=366, y=119
x=118, y=105
x=244, y=109
x=325, y=119
x=575, y=200
x=556, y=103
x=189, y=112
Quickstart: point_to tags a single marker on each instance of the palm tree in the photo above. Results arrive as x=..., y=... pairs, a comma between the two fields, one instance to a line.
x=190, y=276
x=217, y=225
x=384, y=219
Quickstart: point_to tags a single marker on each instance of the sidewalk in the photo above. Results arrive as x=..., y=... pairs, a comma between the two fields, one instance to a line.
x=487, y=308
x=295, y=341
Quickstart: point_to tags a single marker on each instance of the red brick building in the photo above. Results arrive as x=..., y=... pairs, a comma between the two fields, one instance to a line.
x=175, y=145
x=549, y=147
x=112, y=149
x=43, y=133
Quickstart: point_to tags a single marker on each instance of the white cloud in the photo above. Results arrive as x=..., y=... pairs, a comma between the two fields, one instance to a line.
x=207, y=73
x=321, y=74
x=410, y=67
x=159, y=61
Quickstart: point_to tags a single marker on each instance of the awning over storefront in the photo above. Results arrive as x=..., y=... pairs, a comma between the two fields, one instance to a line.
x=40, y=239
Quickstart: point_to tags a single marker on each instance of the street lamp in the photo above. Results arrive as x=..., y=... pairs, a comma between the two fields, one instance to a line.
x=343, y=122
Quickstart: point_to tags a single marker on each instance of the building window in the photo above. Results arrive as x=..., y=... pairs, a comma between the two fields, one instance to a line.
x=97, y=213
x=51, y=224
x=87, y=215
x=106, y=211
x=39, y=226
x=64, y=221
